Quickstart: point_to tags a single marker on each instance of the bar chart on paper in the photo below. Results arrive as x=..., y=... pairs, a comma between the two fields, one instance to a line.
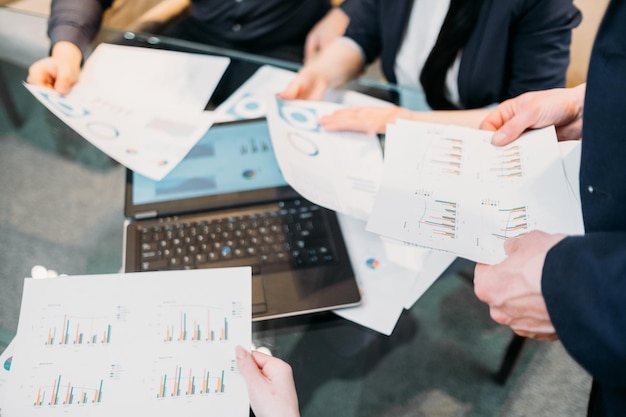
x=448, y=188
x=79, y=330
x=444, y=157
x=189, y=381
x=169, y=352
x=60, y=392
x=198, y=323
x=437, y=218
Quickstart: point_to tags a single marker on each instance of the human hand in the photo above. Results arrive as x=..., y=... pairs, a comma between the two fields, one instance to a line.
x=332, y=26
x=370, y=120
x=59, y=71
x=308, y=84
x=562, y=107
x=512, y=288
x=270, y=384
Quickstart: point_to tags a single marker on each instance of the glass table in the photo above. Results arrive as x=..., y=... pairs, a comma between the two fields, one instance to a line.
x=62, y=208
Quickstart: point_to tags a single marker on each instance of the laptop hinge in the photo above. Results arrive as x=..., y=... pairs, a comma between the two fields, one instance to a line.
x=146, y=215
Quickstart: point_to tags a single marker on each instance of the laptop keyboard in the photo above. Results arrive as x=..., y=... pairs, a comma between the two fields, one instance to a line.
x=293, y=235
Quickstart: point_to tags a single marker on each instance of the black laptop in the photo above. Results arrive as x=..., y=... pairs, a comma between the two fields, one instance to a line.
x=227, y=204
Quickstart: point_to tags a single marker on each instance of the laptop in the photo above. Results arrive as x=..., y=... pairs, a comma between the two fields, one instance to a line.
x=227, y=204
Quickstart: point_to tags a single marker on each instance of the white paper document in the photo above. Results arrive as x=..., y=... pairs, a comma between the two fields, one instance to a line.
x=155, y=343
x=142, y=107
x=383, y=284
x=448, y=188
x=337, y=170
x=249, y=101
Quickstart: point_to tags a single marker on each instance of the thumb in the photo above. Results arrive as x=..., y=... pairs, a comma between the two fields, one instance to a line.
x=292, y=90
x=66, y=78
x=248, y=367
x=512, y=244
x=310, y=47
x=510, y=130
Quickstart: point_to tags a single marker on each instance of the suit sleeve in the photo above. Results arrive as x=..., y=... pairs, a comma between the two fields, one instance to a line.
x=364, y=27
x=540, y=45
x=584, y=285
x=76, y=21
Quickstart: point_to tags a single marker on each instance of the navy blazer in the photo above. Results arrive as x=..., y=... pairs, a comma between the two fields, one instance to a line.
x=517, y=45
x=584, y=277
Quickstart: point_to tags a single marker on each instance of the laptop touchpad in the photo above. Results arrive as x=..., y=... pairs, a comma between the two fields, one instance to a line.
x=259, y=304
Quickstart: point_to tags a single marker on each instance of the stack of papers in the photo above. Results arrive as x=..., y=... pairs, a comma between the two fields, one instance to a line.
x=448, y=188
x=441, y=192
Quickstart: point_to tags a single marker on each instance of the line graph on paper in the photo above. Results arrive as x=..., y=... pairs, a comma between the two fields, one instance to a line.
x=437, y=217
x=512, y=222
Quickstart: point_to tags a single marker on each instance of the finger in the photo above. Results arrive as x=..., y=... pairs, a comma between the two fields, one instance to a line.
x=511, y=130
x=261, y=358
x=480, y=287
x=248, y=367
x=318, y=91
x=493, y=121
x=512, y=244
x=310, y=48
x=65, y=81
x=40, y=74
x=499, y=316
x=291, y=92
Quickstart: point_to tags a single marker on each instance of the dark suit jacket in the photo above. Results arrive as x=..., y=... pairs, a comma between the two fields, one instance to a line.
x=584, y=278
x=251, y=25
x=517, y=46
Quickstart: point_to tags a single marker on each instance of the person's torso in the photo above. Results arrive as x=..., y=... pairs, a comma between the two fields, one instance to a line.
x=268, y=23
x=603, y=168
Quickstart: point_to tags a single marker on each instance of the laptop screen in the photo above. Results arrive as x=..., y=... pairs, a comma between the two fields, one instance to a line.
x=231, y=161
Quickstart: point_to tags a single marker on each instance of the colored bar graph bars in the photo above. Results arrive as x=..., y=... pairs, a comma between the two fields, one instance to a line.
x=209, y=385
x=440, y=217
x=69, y=397
x=514, y=222
x=78, y=337
x=509, y=164
x=445, y=156
x=195, y=333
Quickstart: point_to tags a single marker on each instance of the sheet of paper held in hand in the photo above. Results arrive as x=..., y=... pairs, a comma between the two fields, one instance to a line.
x=142, y=107
x=132, y=344
x=449, y=188
x=337, y=170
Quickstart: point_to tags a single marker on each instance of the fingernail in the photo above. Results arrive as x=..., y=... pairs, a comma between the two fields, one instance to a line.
x=240, y=352
x=498, y=137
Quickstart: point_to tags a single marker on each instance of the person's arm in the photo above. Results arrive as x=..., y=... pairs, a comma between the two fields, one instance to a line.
x=540, y=46
x=585, y=293
x=71, y=27
x=270, y=383
x=332, y=26
x=373, y=120
x=76, y=21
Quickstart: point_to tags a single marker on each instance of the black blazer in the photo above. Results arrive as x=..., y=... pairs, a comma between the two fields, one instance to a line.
x=517, y=45
x=584, y=278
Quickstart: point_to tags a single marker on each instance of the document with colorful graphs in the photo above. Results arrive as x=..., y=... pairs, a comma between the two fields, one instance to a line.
x=448, y=188
x=337, y=170
x=155, y=343
x=143, y=107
